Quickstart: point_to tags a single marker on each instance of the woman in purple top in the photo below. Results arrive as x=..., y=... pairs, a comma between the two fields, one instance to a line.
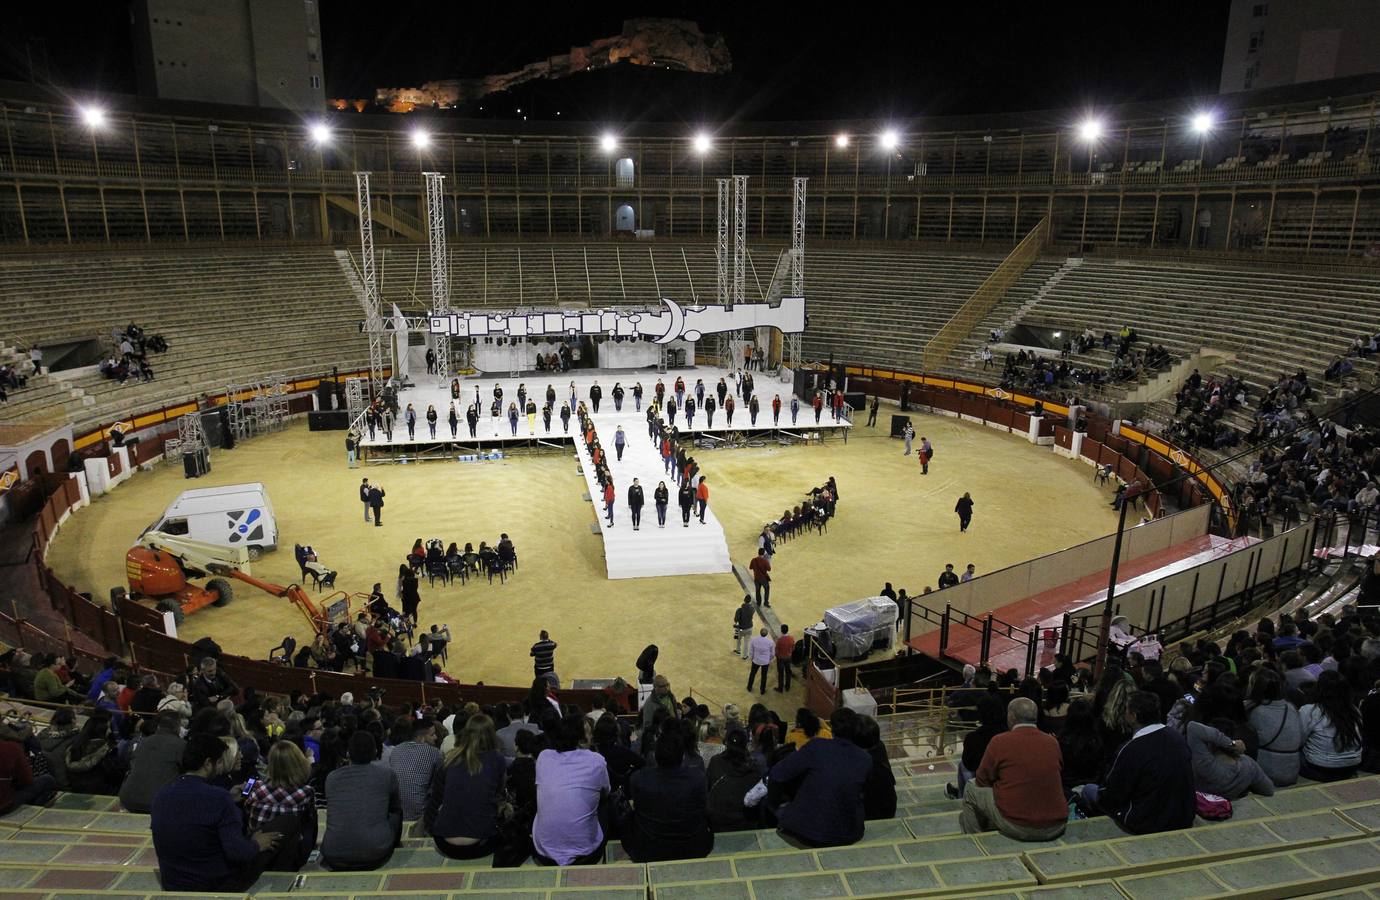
x=571, y=782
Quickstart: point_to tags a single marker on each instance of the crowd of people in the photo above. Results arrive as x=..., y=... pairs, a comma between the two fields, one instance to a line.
x=1199, y=407
x=436, y=560
x=1044, y=376
x=814, y=511
x=12, y=379
x=130, y=357
x=1153, y=747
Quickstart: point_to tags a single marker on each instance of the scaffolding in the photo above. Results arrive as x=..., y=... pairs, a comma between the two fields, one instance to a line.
x=373, y=322
x=190, y=437
x=723, y=260
x=440, y=266
x=354, y=399
x=792, y=348
x=257, y=407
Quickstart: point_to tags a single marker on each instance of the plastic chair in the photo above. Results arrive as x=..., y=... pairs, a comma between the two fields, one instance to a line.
x=435, y=569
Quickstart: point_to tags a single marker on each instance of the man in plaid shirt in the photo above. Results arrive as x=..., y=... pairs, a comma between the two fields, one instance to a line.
x=415, y=763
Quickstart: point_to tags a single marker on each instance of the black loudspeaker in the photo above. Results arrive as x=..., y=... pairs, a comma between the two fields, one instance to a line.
x=215, y=425
x=334, y=420
x=227, y=434
x=325, y=394
x=905, y=397
x=898, y=425
x=196, y=464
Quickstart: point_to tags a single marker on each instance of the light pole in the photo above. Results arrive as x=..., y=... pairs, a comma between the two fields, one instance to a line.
x=1128, y=497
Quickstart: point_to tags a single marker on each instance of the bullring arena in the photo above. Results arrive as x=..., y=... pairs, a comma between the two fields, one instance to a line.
x=1135, y=347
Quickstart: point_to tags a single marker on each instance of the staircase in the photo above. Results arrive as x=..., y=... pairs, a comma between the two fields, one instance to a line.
x=403, y=224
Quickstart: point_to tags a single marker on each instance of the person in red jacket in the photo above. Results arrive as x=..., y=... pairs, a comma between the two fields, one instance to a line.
x=838, y=405
x=776, y=410
x=702, y=495
x=818, y=404
x=17, y=782
x=729, y=406
x=1018, y=788
x=609, y=497
x=761, y=576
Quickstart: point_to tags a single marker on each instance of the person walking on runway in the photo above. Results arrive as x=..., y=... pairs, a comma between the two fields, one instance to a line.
x=795, y=409
x=667, y=458
x=699, y=392
x=689, y=412
x=410, y=417
x=531, y=417
x=659, y=392
x=495, y=414
x=498, y=394
x=702, y=495
x=926, y=452
x=472, y=419
x=709, y=410
x=371, y=418
x=721, y=390
x=565, y=418
x=364, y=498
x=550, y=396
x=617, y=394
x=546, y=417
x=818, y=404
x=619, y=440
x=596, y=394
x=635, y=501
x=454, y=420
x=729, y=406
x=522, y=395
x=431, y=419
x=964, y=508
x=671, y=411
x=574, y=397
x=686, y=498
x=455, y=389
x=908, y=435
x=513, y=417
x=753, y=408
x=776, y=411
x=680, y=390
x=661, y=496
x=837, y=405
x=609, y=497
x=637, y=397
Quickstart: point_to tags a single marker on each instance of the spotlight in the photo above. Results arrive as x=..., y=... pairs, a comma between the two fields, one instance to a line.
x=1090, y=129
x=890, y=139
x=321, y=133
x=841, y=141
x=1202, y=122
x=702, y=143
x=93, y=116
x=420, y=139
x=608, y=143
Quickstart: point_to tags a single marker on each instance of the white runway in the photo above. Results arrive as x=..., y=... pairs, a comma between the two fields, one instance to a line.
x=651, y=551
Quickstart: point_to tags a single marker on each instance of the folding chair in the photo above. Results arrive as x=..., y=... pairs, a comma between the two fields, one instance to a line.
x=458, y=568
x=435, y=569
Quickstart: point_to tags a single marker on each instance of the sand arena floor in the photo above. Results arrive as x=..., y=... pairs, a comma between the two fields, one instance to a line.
x=892, y=525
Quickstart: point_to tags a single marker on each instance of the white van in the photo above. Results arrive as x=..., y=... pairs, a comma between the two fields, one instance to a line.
x=236, y=515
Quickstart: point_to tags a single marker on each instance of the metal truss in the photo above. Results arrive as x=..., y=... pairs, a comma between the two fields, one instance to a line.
x=190, y=437
x=721, y=246
x=373, y=320
x=354, y=399
x=739, y=238
x=440, y=266
x=798, y=238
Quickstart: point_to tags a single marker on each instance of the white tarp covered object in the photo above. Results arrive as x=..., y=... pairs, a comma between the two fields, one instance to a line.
x=855, y=627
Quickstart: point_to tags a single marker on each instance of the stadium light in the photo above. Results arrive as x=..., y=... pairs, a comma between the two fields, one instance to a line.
x=702, y=143
x=841, y=141
x=420, y=139
x=321, y=133
x=608, y=143
x=1090, y=130
x=93, y=116
x=890, y=139
x=1202, y=122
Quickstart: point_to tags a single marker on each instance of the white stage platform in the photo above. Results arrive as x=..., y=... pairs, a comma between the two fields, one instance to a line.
x=492, y=432
x=650, y=551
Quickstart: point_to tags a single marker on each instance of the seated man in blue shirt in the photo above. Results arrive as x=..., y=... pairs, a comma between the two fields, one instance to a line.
x=827, y=809
x=198, y=831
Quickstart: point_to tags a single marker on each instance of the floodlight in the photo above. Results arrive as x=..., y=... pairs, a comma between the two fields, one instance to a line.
x=1202, y=122
x=420, y=139
x=841, y=141
x=890, y=139
x=702, y=143
x=321, y=133
x=1090, y=129
x=93, y=116
x=608, y=143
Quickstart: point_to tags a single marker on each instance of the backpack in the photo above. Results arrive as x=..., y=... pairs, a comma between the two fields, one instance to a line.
x=1212, y=807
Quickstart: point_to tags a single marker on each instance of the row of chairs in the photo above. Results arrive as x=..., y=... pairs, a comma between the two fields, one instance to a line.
x=447, y=567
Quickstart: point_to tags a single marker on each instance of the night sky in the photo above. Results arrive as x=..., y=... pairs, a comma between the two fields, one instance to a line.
x=824, y=63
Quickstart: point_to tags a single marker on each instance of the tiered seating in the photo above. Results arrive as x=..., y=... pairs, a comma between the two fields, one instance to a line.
x=965, y=360
x=879, y=307
x=1305, y=839
x=228, y=315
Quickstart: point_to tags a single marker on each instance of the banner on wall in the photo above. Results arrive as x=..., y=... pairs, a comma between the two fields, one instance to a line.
x=669, y=323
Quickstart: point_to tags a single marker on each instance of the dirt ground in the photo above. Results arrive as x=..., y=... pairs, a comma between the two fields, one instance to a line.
x=892, y=525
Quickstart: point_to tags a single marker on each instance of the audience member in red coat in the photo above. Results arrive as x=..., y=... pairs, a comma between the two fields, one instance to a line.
x=1018, y=789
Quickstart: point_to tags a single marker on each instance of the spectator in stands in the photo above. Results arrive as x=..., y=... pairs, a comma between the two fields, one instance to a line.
x=209, y=685
x=1018, y=787
x=286, y=791
x=49, y=685
x=91, y=762
x=991, y=713
x=1331, y=731
x=18, y=783
x=462, y=814
x=198, y=832
x=618, y=757
x=1150, y=785
x=156, y=763
x=1277, y=725
x=669, y=807
x=730, y=775
x=415, y=763
x=807, y=727
x=879, y=793
x=572, y=780
x=827, y=807
x=1220, y=763
x=365, y=822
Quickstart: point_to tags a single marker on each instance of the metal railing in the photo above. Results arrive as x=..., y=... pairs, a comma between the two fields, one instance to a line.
x=985, y=298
